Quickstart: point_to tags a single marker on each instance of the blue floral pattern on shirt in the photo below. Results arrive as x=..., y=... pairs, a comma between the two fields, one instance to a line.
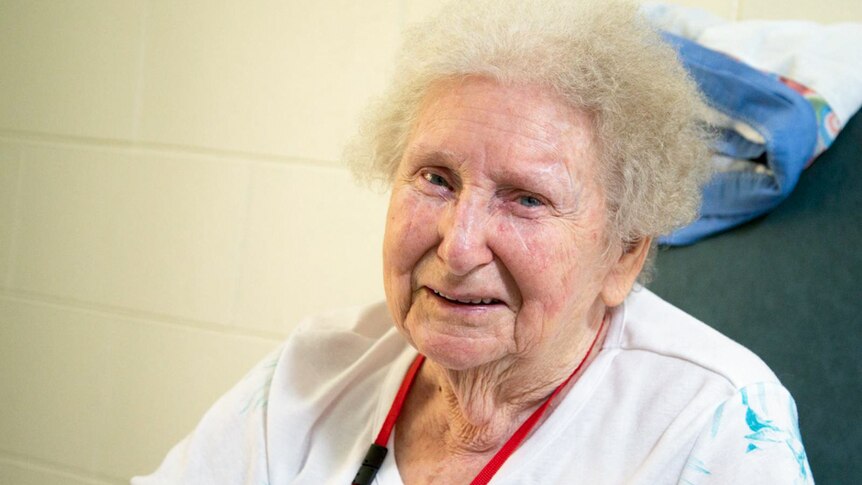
x=753, y=437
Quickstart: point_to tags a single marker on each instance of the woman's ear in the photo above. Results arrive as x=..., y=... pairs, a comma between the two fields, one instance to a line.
x=622, y=275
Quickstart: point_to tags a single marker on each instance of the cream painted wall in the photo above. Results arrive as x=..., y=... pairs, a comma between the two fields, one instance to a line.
x=171, y=205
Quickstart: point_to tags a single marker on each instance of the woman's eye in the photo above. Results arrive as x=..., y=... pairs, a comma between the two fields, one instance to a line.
x=529, y=201
x=435, y=179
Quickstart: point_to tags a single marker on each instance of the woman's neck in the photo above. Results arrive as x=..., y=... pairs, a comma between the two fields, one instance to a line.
x=475, y=411
x=480, y=408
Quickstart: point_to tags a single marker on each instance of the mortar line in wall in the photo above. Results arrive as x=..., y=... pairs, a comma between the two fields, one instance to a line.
x=152, y=318
x=31, y=137
x=66, y=471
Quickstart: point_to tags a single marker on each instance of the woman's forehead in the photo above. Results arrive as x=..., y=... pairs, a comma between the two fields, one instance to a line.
x=510, y=130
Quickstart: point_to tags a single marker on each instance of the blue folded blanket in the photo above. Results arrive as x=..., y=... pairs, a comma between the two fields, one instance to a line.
x=769, y=135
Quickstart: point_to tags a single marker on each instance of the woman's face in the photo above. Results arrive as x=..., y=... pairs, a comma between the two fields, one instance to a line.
x=495, y=240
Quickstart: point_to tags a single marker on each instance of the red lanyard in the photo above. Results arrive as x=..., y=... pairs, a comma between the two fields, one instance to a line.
x=374, y=458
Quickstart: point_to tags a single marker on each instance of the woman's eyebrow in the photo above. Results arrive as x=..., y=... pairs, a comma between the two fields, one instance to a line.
x=553, y=179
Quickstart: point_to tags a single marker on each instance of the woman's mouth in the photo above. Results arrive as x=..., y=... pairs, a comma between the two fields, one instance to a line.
x=465, y=300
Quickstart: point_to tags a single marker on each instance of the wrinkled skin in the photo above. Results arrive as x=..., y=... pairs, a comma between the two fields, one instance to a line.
x=497, y=197
x=496, y=204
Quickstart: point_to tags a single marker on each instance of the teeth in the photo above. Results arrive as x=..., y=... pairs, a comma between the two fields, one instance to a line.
x=477, y=301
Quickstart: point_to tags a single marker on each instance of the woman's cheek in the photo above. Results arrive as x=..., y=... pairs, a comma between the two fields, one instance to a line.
x=406, y=227
x=542, y=256
x=524, y=243
x=411, y=231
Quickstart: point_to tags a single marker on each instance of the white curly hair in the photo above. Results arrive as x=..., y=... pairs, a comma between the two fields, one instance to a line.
x=601, y=57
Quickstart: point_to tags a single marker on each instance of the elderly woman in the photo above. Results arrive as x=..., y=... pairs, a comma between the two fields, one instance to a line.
x=534, y=150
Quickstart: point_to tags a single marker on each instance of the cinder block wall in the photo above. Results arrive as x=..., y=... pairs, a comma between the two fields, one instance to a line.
x=171, y=205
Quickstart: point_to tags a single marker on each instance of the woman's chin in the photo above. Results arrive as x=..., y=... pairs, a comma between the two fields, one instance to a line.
x=460, y=353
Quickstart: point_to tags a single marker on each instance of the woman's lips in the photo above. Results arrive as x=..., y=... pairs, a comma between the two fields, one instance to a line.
x=466, y=299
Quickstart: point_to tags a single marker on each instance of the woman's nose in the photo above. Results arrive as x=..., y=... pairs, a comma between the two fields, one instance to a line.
x=464, y=231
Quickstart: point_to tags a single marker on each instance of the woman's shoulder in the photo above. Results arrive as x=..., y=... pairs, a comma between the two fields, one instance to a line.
x=367, y=321
x=331, y=343
x=307, y=384
x=364, y=323
x=654, y=325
